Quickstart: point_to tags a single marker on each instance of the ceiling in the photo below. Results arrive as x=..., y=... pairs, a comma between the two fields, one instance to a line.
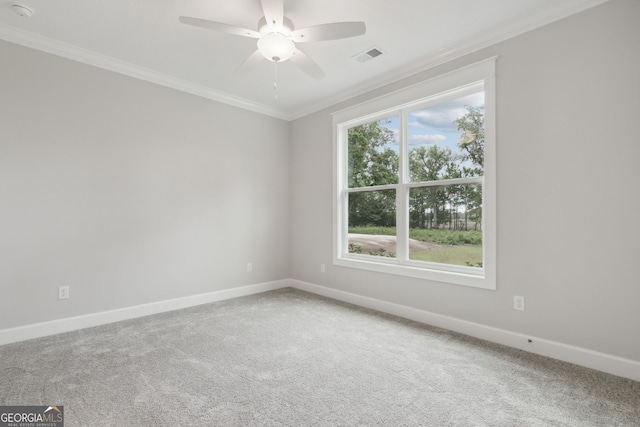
x=144, y=39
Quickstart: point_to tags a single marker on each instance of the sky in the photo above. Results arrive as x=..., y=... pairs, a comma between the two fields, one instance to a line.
x=433, y=125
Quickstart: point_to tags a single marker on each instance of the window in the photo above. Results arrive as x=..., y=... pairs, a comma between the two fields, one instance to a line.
x=415, y=180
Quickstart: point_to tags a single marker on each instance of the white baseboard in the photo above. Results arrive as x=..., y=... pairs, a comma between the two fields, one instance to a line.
x=53, y=327
x=580, y=356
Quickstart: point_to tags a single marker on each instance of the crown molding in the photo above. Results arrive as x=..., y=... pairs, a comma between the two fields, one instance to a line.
x=515, y=28
x=68, y=51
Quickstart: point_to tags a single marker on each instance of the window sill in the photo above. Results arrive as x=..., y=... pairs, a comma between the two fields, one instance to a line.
x=459, y=275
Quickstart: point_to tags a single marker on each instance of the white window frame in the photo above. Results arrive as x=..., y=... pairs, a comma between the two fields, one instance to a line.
x=481, y=74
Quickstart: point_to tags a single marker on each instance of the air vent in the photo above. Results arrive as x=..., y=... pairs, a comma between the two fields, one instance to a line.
x=369, y=54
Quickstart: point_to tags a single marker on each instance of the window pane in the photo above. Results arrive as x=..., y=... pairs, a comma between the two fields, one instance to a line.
x=372, y=223
x=446, y=140
x=445, y=224
x=373, y=153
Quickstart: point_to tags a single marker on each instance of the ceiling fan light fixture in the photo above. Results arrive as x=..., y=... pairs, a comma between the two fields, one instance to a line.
x=277, y=37
x=276, y=47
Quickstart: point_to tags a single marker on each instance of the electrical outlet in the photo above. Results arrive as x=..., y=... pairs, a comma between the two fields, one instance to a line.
x=63, y=292
x=518, y=303
x=322, y=268
x=249, y=268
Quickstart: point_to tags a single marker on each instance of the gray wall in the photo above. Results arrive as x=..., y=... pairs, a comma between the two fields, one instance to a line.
x=568, y=153
x=132, y=193
x=129, y=192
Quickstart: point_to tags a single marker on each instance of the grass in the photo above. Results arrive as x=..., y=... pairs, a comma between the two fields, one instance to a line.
x=456, y=255
x=441, y=237
x=462, y=247
x=372, y=229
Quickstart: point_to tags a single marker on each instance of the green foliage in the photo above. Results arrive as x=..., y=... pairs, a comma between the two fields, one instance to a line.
x=459, y=247
x=355, y=249
x=373, y=229
x=471, y=127
x=373, y=207
x=430, y=164
x=382, y=252
x=445, y=215
x=447, y=237
x=438, y=236
x=371, y=162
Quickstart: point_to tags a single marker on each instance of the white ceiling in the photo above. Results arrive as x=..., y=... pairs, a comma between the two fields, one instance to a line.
x=144, y=39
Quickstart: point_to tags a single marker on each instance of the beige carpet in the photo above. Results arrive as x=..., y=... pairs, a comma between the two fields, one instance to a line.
x=289, y=358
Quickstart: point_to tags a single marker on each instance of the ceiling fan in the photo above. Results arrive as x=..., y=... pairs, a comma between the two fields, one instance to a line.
x=277, y=37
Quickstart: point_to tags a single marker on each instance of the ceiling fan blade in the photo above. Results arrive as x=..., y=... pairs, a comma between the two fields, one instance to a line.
x=273, y=12
x=306, y=64
x=254, y=59
x=217, y=26
x=334, y=31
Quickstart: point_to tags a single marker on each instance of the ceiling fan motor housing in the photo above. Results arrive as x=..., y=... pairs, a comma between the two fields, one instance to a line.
x=277, y=37
x=286, y=29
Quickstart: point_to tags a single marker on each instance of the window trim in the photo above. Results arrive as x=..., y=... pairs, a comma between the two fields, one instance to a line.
x=429, y=91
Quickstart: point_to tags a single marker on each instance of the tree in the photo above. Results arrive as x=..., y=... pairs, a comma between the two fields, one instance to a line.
x=471, y=143
x=372, y=162
x=428, y=205
x=471, y=127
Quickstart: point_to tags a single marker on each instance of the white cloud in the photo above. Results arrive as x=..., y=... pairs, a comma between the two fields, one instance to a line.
x=425, y=138
x=442, y=116
x=439, y=119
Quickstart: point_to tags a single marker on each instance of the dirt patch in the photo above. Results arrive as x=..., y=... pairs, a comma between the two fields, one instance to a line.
x=373, y=242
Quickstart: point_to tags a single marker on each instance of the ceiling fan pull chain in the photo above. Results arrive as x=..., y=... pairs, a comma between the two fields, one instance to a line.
x=275, y=80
